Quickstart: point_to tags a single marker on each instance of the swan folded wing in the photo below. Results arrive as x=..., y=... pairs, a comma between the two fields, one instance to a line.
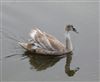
x=56, y=44
x=40, y=38
x=46, y=41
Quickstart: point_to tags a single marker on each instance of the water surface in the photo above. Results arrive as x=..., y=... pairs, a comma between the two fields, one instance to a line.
x=19, y=18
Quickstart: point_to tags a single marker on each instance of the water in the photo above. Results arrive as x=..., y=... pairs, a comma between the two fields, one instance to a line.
x=18, y=18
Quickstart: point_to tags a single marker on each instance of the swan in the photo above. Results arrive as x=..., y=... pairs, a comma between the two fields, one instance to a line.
x=44, y=43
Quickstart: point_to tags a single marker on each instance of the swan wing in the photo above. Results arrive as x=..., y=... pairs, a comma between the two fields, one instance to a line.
x=46, y=40
x=40, y=38
x=55, y=43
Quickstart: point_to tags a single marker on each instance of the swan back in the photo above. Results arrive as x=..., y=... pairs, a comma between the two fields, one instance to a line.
x=46, y=41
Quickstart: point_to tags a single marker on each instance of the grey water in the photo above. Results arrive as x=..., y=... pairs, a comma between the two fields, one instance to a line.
x=18, y=19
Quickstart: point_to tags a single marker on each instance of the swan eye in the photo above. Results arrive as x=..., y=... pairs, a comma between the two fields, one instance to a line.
x=33, y=44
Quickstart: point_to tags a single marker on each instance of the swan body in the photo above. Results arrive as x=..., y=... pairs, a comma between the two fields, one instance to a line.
x=44, y=43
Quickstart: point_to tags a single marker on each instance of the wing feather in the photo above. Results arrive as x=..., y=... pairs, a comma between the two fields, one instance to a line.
x=55, y=43
x=39, y=37
x=46, y=41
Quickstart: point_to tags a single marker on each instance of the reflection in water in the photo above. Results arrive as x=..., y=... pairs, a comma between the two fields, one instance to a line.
x=41, y=62
x=68, y=71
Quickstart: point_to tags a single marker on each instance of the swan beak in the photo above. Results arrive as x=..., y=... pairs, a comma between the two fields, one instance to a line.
x=74, y=29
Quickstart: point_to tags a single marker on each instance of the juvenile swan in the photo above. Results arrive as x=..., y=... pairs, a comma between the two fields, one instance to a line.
x=44, y=43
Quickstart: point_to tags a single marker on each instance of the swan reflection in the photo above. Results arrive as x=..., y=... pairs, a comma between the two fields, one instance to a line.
x=42, y=62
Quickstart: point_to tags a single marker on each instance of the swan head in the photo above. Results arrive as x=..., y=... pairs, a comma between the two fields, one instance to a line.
x=70, y=28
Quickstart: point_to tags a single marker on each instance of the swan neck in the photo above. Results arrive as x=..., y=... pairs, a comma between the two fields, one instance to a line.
x=69, y=46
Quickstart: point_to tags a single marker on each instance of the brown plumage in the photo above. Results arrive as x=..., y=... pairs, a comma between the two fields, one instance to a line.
x=44, y=43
